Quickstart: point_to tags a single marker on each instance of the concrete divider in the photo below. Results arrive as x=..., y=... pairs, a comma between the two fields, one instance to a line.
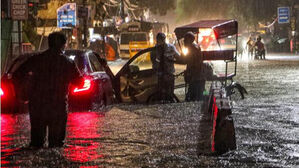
x=217, y=132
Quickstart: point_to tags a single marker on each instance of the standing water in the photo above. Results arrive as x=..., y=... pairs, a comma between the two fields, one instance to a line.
x=266, y=123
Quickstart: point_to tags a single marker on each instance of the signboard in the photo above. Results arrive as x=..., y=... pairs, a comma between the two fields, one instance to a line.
x=283, y=15
x=133, y=28
x=19, y=9
x=66, y=16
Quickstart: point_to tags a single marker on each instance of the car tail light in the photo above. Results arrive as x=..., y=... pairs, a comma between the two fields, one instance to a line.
x=87, y=86
x=1, y=92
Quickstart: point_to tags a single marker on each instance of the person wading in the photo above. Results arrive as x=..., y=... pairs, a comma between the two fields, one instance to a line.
x=50, y=73
x=163, y=59
x=193, y=74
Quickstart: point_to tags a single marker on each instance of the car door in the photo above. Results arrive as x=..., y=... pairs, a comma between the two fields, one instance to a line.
x=14, y=91
x=137, y=79
x=102, y=80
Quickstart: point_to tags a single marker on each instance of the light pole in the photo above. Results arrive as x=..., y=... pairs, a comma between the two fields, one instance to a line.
x=293, y=27
x=85, y=25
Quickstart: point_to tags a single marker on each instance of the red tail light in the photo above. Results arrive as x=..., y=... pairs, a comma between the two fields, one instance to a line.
x=87, y=86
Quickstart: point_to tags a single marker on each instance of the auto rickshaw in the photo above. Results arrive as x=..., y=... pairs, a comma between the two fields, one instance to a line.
x=218, y=40
x=137, y=81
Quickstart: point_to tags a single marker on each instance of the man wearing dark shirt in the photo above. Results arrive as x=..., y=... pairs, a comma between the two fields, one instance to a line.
x=193, y=75
x=50, y=74
x=163, y=59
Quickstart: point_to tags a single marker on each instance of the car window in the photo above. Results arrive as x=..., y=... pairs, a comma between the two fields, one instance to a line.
x=95, y=64
x=143, y=62
x=78, y=60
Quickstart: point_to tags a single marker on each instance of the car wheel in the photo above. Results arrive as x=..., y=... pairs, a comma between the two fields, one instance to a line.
x=99, y=103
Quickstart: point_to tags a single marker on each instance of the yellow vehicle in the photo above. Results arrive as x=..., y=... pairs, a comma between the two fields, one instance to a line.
x=136, y=46
x=139, y=31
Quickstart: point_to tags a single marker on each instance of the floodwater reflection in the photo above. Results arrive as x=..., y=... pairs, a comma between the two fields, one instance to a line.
x=82, y=133
x=7, y=128
x=82, y=142
x=12, y=133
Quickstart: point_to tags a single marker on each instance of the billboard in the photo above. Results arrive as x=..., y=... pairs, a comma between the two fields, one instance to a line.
x=66, y=16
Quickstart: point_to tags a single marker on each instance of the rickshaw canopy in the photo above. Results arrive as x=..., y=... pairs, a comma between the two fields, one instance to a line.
x=222, y=28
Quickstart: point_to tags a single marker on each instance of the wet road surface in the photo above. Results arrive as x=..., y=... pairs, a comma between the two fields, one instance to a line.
x=266, y=122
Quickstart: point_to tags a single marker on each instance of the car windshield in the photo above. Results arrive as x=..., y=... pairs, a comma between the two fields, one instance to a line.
x=125, y=38
x=95, y=64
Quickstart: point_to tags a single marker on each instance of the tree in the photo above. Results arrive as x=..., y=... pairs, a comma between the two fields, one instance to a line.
x=247, y=12
x=156, y=6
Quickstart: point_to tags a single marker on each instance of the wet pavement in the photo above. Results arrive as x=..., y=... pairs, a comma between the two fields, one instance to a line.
x=266, y=123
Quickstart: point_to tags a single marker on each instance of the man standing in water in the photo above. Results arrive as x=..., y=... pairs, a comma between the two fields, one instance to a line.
x=50, y=73
x=163, y=58
x=193, y=74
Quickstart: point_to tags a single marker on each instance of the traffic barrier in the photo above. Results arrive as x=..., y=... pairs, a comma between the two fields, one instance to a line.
x=217, y=132
x=223, y=135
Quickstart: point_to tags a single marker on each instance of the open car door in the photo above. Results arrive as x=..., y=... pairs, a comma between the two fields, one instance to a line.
x=136, y=80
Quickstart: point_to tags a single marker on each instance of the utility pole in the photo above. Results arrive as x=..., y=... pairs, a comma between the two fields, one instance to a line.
x=122, y=10
x=294, y=27
x=20, y=36
x=85, y=19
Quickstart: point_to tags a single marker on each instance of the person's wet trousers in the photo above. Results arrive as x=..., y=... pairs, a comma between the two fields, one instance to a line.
x=43, y=118
x=195, y=90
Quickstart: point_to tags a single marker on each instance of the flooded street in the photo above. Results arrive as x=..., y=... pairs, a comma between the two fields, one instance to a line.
x=266, y=124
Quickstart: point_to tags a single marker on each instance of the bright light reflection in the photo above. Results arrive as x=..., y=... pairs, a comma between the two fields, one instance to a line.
x=83, y=137
x=72, y=57
x=9, y=126
x=1, y=92
x=185, y=50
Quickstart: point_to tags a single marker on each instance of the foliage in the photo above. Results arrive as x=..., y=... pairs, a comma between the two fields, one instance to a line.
x=51, y=11
x=247, y=12
x=31, y=34
x=156, y=6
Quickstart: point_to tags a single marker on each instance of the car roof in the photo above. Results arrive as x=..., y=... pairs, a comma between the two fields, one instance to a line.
x=19, y=61
x=75, y=52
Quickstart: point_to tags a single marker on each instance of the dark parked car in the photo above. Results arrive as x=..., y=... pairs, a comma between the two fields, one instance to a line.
x=13, y=93
x=96, y=90
x=136, y=81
